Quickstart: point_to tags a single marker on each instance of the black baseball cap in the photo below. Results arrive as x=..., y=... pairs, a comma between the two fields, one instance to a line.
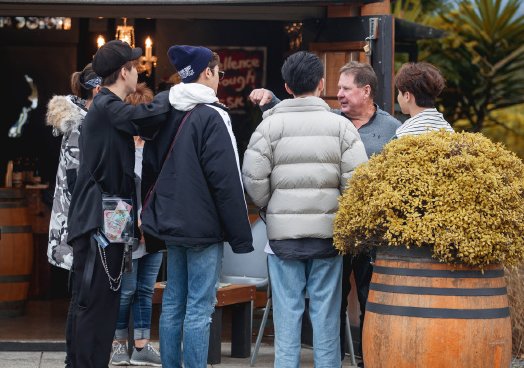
x=112, y=56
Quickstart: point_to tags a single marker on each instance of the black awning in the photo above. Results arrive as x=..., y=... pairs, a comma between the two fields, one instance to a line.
x=186, y=2
x=406, y=31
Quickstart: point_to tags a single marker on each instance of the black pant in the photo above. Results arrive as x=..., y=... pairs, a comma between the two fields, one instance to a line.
x=93, y=325
x=362, y=272
x=69, y=323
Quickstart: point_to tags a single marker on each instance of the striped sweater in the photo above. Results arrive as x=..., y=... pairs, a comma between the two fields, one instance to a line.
x=423, y=122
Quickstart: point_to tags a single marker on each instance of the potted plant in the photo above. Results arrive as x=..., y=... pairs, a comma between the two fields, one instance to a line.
x=446, y=211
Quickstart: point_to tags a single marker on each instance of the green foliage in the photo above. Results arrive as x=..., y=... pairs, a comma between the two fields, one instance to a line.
x=505, y=126
x=482, y=59
x=403, y=7
x=410, y=10
x=459, y=193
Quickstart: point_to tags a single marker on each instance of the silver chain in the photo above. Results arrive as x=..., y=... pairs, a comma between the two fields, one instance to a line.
x=111, y=279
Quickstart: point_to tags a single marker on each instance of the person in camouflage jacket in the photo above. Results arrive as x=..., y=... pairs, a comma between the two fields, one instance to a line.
x=66, y=114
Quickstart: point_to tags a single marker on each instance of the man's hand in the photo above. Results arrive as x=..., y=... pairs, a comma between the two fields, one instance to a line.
x=260, y=96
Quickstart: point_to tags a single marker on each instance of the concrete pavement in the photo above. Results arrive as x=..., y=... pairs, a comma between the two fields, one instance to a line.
x=38, y=359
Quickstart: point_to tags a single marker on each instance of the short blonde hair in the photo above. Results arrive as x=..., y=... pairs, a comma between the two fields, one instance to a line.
x=143, y=94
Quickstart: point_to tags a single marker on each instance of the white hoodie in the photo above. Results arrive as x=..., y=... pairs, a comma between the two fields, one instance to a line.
x=184, y=97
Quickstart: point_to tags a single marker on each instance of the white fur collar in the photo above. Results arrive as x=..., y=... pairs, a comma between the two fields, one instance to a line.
x=63, y=114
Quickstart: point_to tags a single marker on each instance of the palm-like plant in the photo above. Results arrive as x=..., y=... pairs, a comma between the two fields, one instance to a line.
x=482, y=58
x=418, y=8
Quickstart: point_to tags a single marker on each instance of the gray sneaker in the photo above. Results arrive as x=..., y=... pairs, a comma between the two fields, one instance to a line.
x=147, y=356
x=120, y=355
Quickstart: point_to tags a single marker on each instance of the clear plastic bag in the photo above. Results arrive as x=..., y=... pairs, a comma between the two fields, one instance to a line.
x=118, y=219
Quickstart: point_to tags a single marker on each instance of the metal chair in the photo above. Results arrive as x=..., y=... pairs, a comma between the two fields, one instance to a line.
x=249, y=268
x=263, y=323
x=349, y=342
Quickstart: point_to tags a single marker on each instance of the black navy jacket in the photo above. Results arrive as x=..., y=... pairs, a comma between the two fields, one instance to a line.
x=107, y=157
x=199, y=198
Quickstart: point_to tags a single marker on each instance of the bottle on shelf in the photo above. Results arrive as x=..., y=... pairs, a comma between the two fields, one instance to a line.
x=28, y=171
x=17, y=173
x=37, y=179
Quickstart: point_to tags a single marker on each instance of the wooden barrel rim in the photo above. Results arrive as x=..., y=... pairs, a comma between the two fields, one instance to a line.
x=420, y=272
x=415, y=254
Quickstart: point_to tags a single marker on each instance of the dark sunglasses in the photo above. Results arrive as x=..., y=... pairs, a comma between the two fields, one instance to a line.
x=221, y=74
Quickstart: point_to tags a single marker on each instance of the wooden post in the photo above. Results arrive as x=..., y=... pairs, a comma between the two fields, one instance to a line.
x=376, y=8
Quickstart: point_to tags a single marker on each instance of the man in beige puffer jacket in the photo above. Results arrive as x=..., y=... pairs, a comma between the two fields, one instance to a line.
x=297, y=164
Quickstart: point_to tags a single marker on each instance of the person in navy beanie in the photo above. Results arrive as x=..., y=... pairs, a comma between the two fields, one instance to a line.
x=190, y=61
x=197, y=202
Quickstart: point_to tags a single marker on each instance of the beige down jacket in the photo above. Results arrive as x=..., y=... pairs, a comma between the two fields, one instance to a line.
x=297, y=164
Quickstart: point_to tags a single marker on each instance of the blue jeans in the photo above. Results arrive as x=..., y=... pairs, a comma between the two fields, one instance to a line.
x=322, y=279
x=138, y=288
x=188, y=303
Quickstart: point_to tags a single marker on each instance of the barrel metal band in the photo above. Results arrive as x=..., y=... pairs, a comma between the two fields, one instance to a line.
x=394, y=310
x=12, y=309
x=17, y=204
x=16, y=229
x=14, y=278
x=417, y=290
x=12, y=193
x=12, y=304
x=437, y=273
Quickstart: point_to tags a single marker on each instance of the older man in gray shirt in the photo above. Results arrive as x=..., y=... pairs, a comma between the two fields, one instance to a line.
x=357, y=87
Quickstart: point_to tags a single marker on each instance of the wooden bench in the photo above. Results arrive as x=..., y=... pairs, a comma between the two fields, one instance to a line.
x=240, y=298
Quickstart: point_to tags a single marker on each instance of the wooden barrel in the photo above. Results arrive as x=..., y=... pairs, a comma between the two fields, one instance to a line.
x=420, y=313
x=16, y=252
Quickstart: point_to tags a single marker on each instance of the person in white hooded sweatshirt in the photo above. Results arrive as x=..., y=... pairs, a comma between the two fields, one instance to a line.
x=194, y=202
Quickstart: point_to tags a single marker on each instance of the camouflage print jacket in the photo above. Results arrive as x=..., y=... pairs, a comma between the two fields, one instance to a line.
x=65, y=114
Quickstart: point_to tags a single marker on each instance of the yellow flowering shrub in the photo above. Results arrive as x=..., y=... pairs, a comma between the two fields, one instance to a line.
x=459, y=193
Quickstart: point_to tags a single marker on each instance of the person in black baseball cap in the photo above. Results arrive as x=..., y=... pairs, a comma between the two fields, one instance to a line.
x=107, y=160
x=114, y=55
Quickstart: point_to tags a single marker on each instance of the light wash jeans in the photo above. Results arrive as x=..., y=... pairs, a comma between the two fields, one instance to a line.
x=322, y=278
x=188, y=303
x=139, y=285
